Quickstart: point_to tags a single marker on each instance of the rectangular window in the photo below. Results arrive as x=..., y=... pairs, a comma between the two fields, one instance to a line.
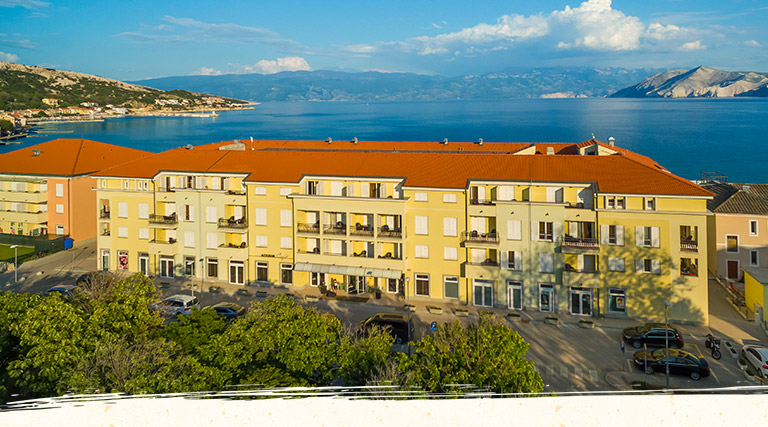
x=754, y=259
x=188, y=213
x=189, y=266
x=422, y=251
x=166, y=267
x=514, y=229
x=212, y=240
x=547, y=263
x=616, y=301
x=620, y=203
x=422, y=225
x=611, y=234
x=647, y=237
x=312, y=187
x=449, y=198
x=213, y=267
x=59, y=229
x=143, y=211
x=689, y=267
x=59, y=190
x=261, y=241
x=237, y=272
x=286, y=274
x=514, y=260
x=189, y=239
x=451, y=287
x=450, y=227
x=122, y=209
x=144, y=263
x=483, y=292
x=420, y=197
x=59, y=208
x=651, y=266
x=122, y=232
x=337, y=188
x=286, y=218
x=285, y=191
x=545, y=231
x=286, y=243
x=753, y=228
x=262, y=271
x=422, y=284
x=615, y=264
x=546, y=297
x=144, y=233
x=732, y=244
x=260, y=191
x=450, y=253
x=260, y=216
x=122, y=260
x=650, y=204
x=212, y=214
x=610, y=202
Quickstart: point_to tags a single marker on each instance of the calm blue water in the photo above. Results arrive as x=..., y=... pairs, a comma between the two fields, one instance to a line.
x=688, y=136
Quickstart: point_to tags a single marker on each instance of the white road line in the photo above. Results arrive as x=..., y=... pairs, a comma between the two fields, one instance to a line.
x=563, y=371
x=629, y=363
x=578, y=373
x=593, y=375
x=713, y=374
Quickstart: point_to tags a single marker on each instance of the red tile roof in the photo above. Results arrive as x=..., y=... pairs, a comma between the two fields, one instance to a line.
x=422, y=164
x=66, y=157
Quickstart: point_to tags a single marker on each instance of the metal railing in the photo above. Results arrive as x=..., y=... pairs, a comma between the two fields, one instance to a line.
x=581, y=242
x=474, y=236
x=480, y=202
x=335, y=229
x=361, y=230
x=163, y=219
x=103, y=214
x=385, y=231
x=689, y=245
x=487, y=262
x=308, y=228
x=233, y=223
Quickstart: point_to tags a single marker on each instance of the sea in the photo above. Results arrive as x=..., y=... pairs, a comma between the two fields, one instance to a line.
x=689, y=137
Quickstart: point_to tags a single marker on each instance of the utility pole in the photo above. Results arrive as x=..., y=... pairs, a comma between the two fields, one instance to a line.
x=15, y=264
x=666, y=340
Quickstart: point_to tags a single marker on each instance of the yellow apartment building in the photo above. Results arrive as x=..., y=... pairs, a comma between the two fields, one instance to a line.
x=587, y=229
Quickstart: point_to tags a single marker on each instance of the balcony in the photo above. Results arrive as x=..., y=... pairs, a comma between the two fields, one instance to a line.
x=580, y=243
x=481, y=202
x=24, y=196
x=165, y=247
x=163, y=221
x=361, y=230
x=389, y=255
x=38, y=217
x=308, y=228
x=338, y=228
x=475, y=237
x=233, y=224
x=488, y=262
x=104, y=214
x=233, y=251
x=362, y=254
x=385, y=231
x=689, y=245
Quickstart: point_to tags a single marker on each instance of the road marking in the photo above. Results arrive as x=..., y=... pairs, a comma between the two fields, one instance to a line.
x=629, y=363
x=699, y=350
x=578, y=373
x=563, y=371
x=550, y=370
x=593, y=375
x=713, y=374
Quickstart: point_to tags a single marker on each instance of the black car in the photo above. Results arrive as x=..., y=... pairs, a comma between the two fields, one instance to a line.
x=654, y=335
x=396, y=325
x=680, y=363
x=229, y=310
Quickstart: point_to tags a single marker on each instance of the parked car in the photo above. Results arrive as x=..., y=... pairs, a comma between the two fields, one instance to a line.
x=229, y=310
x=63, y=290
x=396, y=325
x=176, y=304
x=758, y=357
x=653, y=334
x=680, y=363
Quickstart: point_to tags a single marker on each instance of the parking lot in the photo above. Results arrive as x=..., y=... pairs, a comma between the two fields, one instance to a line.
x=568, y=357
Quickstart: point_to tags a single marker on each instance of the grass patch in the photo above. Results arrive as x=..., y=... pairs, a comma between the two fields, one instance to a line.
x=25, y=253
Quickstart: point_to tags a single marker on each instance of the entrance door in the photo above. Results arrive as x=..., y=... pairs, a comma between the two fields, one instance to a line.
x=317, y=279
x=581, y=301
x=356, y=285
x=237, y=272
x=546, y=298
x=483, y=292
x=515, y=295
x=733, y=269
x=105, y=260
x=393, y=286
x=166, y=267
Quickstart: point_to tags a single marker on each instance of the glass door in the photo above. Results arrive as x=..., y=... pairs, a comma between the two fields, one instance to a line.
x=581, y=301
x=546, y=298
x=483, y=292
x=515, y=295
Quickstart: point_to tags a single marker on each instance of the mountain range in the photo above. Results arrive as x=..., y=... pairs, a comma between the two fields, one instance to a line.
x=700, y=82
x=553, y=82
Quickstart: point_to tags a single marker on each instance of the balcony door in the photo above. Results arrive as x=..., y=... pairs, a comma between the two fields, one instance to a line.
x=166, y=267
x=483, y=292
x=581, y=301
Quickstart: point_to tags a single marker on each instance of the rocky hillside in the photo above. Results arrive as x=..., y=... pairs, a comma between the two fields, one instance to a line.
x=700, y=82
x=23, y=86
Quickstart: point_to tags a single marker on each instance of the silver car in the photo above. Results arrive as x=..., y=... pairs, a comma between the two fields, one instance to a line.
x=177, y=304
x=758, y=357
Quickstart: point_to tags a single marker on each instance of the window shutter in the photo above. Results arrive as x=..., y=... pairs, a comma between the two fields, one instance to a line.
x=261, y=216
x=639, y=265
x=144, y=233
x=143, y=211
x=504, y=260
x=514, y=228
x=655, y=237
x=534, y=231
x=285, y=217
x=620, y=235
x=350, y=190
x=122, y=209
x=449, y=227
x=656, y=266
x=481, y=193
x=638, y=236
x=211, y=214
x=518, y=260
x=557, y=231
x=604, y=234
x=180, y=182
x=364, y=190
x=580, y=262
x=170, y=208
x=212, y=240
x=422, y=225
x=191, y=212
x=189, y=239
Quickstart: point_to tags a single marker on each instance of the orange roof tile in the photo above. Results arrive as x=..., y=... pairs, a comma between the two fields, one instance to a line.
x=66, y=157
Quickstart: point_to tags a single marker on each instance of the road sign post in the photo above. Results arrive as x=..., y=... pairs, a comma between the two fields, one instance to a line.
x=621, y=345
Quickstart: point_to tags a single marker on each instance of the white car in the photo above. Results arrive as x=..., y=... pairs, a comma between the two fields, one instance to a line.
x=758, y=357
x=177, y=304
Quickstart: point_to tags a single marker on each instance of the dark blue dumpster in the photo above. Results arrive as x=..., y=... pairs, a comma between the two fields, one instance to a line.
x=68, y=243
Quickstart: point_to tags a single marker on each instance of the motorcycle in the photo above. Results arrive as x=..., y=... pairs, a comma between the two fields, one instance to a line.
x=713, y=344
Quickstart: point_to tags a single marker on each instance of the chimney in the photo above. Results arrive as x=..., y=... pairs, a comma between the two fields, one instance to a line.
x=612, y=141
x=480, y=141
x=35, y=152
x=550, y=151
x=354, y=140
x=445, y=141
x=745, y=188
x=328, y=140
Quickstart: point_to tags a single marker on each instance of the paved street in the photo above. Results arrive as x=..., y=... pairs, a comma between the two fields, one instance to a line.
x=569, y=358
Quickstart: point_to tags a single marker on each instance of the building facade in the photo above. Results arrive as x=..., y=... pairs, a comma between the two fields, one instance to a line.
x=579, y=228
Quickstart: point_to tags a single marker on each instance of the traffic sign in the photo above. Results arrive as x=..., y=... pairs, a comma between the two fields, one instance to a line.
x=433, y=326
x=622, y=346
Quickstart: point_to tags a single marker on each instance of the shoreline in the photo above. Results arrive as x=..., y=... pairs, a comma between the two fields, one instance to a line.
x=101, y=118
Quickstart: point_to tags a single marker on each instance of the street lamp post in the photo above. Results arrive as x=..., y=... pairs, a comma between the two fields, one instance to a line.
x=666, y=340
x=408, y=304
x=15, y=264
x=202, y=275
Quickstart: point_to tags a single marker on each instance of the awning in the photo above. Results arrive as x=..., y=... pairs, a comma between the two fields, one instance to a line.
x=347, y=271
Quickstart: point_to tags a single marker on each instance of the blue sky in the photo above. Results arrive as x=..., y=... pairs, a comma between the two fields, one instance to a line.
x=132, y=40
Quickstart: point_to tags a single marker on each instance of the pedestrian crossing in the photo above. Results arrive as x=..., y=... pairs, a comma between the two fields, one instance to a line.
x=569, y=372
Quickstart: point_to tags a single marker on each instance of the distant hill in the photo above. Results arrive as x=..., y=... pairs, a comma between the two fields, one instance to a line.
x=555, y=82
x=24, y=86
x=700, y=82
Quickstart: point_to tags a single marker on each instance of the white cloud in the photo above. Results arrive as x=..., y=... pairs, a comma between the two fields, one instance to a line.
x=26, y=4
x=692, y=46
x=598, y=26
x=290, y=63
x=206, y=71
x=8, y=57
x=362, y=48
x=752, y=43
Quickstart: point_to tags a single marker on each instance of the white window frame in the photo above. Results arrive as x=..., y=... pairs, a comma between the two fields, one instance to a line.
x=286, y=243
x=260, y=216
x=450, y=253
x=753, y=226
x=420, y=277
x=122, y=232
x=143, y=210
x=284, y=267
x=757, y=258
x=421, y=197
x=513, y=285
x=514, y=229
x=259, y=190
x=286, y=218
x=144, y=233
x=59, y=208
x=261, y=241
x=421, y=225
x=122, y=209
x=422, y=251
x=449, y=198
x=452, y=279
x=59, y=190
x=450, y=227
x=261, y=265
x=649, y=204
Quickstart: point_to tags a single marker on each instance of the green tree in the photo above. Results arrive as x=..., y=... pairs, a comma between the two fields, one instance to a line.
x=485, y=354
x=13, y=309
x=6, y=125
x=363, y=358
